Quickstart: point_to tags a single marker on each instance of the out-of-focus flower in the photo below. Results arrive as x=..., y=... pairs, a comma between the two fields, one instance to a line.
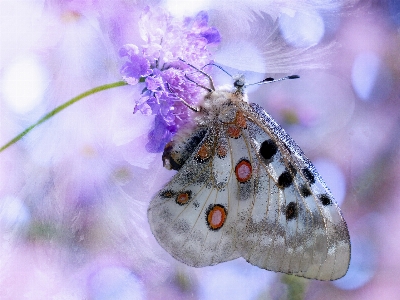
x=157, y=65
x=114, y=282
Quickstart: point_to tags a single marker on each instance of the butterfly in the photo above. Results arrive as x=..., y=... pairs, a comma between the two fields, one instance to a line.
x=244, y=188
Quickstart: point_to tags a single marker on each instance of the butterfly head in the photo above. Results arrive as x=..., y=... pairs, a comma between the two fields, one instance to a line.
x=239, y=82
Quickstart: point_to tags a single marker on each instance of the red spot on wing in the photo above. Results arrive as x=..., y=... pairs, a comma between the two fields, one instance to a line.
x=240, y=120
x=243, y=170
x=233, y=131
x=235, y=128
x=221, y=151
x=204, y=152
x=167, y=194
x=183, y=198
x=216, y=216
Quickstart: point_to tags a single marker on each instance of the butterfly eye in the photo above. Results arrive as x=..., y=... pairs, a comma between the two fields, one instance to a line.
x=239, y=83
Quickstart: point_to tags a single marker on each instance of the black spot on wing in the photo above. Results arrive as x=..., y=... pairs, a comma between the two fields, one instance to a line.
x=167, y=194
x=285, y=179
x=291, y=211
x=305, y=191
x=278, y=133
x=325, y=199
x=268, y=149
x=308, y=175
x=292, y=170
x=194, y=140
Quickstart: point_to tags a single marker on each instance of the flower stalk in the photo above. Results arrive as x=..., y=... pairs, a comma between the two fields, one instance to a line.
x=62, y=107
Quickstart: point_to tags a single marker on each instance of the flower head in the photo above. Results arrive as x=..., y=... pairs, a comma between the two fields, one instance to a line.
x=157, y=65
x=137, y=66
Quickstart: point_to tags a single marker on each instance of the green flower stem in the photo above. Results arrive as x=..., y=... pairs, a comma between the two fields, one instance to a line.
x=61, y=107
x=296, y=287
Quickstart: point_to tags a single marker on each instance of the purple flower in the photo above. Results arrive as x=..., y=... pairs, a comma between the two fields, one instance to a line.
x=136, y=67
x=160, y=135
x=156, y=65
x=211, y=34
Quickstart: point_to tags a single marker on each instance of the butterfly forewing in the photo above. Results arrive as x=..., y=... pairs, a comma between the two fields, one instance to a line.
x=311, y=231
x=270, y=235
x=247, y=189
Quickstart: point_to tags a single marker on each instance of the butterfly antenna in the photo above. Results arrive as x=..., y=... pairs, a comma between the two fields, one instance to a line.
x=191, y=107
x=198, y=84
x=239, y=80
x=270, y=80
x=202, y=72
x=219, y=67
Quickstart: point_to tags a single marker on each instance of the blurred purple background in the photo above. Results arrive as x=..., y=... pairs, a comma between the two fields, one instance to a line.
x=74, y=192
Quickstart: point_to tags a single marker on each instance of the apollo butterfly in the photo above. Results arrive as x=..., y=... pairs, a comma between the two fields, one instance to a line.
x=244, y=188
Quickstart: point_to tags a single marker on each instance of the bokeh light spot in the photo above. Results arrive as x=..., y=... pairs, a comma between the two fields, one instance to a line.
x=115, y=282
x=233, y=280
x=24, y=84
x=372, y=79
x=302, y=29
x=13, y=213
x=362, y=265
x=185, y=8
x=364, y=255
x=364, y=74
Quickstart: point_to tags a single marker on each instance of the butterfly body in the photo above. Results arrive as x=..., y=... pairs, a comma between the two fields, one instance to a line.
x=245, y=189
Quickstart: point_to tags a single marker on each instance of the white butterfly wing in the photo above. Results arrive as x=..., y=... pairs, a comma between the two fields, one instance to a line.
x=181, y=224
x=294, y=225
x=248, y=190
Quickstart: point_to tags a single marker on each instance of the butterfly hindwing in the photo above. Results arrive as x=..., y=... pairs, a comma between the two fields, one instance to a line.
x=183, y=227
